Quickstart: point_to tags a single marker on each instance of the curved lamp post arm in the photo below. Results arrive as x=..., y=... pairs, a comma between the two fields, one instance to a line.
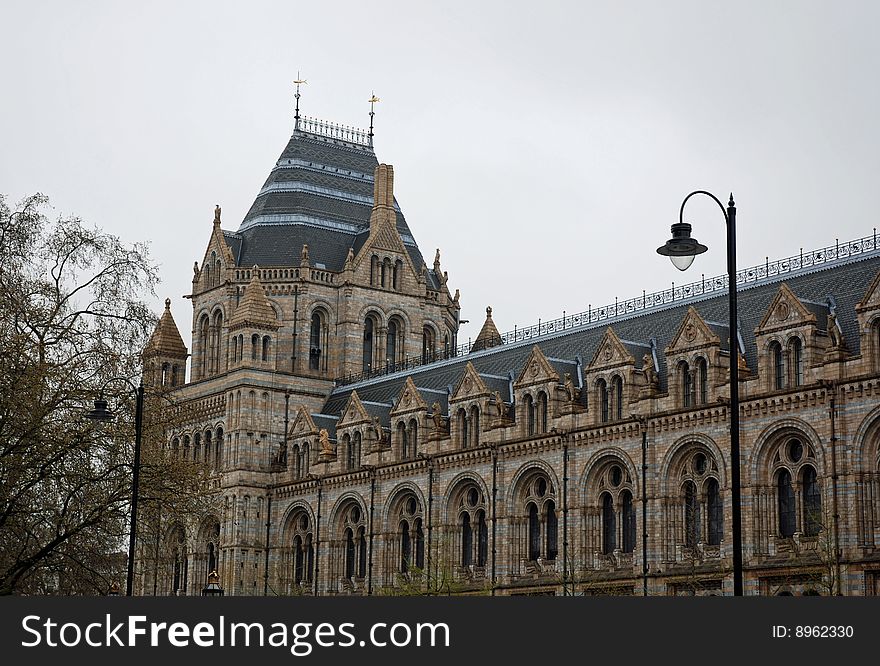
x=711, y=196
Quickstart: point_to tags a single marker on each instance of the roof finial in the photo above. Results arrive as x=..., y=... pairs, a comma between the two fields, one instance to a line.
x=217, y=214
x=373, y=99
x=167, y=303
x=298, y=82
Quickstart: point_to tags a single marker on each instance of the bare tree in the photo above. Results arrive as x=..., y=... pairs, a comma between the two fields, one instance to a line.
x=73, y=316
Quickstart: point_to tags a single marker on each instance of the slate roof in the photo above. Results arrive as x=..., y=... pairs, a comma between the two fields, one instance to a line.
x=320, y=194
x=846, y=281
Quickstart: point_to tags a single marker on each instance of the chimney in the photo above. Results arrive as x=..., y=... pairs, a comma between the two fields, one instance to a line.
x=383, y=186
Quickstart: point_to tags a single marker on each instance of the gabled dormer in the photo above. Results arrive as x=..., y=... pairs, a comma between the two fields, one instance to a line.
x=253, y=328
x=791, y=339
x=868, y=313
x=611, y=378
x=466, y=408
x=408, y=419
x=697, y=360
x=383, y=261
x=358, y=426
x=534, y=392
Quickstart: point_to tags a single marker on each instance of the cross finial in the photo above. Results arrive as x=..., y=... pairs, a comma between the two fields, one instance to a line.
x=299, y=81
x=373, y=99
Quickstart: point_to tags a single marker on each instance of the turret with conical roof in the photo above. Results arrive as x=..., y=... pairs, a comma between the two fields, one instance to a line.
x=165, y=355
x=489, y=335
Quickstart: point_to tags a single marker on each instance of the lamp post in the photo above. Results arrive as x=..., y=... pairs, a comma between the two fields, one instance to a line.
x=682, y=249
x=102, y=414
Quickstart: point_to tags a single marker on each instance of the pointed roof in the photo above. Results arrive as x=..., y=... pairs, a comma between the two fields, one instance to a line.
x=166, y=340
x=489, y=335
x=320, y=193
x=254, y=308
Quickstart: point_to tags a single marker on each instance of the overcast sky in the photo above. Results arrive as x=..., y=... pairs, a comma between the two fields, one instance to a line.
x=545, y=147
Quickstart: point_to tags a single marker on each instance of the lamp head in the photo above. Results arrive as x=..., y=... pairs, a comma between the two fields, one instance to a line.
x=100, y=412
x=681, y=248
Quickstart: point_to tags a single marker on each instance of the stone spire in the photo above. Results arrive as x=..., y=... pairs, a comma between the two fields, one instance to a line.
x=166, y=340
x=489, y=335
x=254, y=309
x=383, y=196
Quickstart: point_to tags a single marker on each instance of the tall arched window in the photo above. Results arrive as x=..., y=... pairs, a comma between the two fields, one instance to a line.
x=218, y=450
x=397, y=274
x=716, y=512
x=212, y=277
x=475, y=426
x=462, y=419
x=386, y=272
x=240, y=347
x=787, y=513
x=235, y=352
x=355, y=453
x=796, y=356
x=703, y=378
x=609, y=525
x=429, y=345
x=541, y=534
x=369, y=333
x=374, y=271
x=467, y=540
x=316, y=340
x=467, y=508
x=687, y=384
x=531, y=416
x=534, y=532
x=813, y=518
x=255, y=346
x=628, y=515
x=542, y=412
x=602, y=391
x=778, y=360
x=350, y=554
x=412, y=537
x=204, y=342
x=216, y=339
x=617, y=394
x=691, y=515
x=552, y=529
x=265, y=355
x=403, y=440
x=391, y=343
x=413, y=440
x=302, y=548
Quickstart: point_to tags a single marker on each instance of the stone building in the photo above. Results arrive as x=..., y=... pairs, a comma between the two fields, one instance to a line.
x=357, y=448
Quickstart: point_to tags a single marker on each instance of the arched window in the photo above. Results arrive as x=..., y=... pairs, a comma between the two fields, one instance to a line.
x=529, y=407
x=240, y=347
x=813, y=518
x=778, y=365
x=787, y=513
x=475, y=426
x=617, y=394
x=346, y=450
x=369, y=332
x=353, y=546
x=542, y=413
x=204, y=342
x=628, y=515
x=552, y=530
x=255, y=346
x=403, y=440
x=413, y=440
x=216, y=338
x=316, y=340
x=467, y=540
x=397, y=275
x=412, y=537
x=703, y=379
x=796, y=357
x=265, y=354
x=687, y=384
x=218, y=450
x=235, y=353
x=609, y=525
x=386, y=272
x=602, y=391
x=462, y=419
x=482, y=539
x=355, y=453
x=429, y=345
x=302, y=547
x=691, y=515
x=716, y=512
x=374, y=270
x=394, y=343
x=534, y=532
x=212, y=277
x=304, y=460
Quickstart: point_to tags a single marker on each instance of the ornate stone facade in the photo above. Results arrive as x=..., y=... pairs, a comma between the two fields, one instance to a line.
x=357, y=450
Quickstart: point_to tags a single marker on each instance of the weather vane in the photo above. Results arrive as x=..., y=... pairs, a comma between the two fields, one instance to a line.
x=298, y=83
x=373, y=99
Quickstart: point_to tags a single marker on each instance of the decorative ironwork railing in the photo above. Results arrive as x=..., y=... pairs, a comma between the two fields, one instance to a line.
x=333, y=130
x=647, y=301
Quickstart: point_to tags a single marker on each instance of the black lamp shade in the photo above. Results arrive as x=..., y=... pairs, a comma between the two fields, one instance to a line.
x=100, y=412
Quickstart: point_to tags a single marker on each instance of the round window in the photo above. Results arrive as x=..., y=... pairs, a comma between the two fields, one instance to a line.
x=542, y=487
x=616, y=475
x=473, y=497
x=700, y=463
x=355, y=514
x=411, y=505
x=795, y=450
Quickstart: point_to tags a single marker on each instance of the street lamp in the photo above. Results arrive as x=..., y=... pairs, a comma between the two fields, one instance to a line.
x=213, y=589
x=102, y=414
x=682, y=249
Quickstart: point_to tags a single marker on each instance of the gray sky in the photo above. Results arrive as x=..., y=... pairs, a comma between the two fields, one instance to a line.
x=544, y=147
